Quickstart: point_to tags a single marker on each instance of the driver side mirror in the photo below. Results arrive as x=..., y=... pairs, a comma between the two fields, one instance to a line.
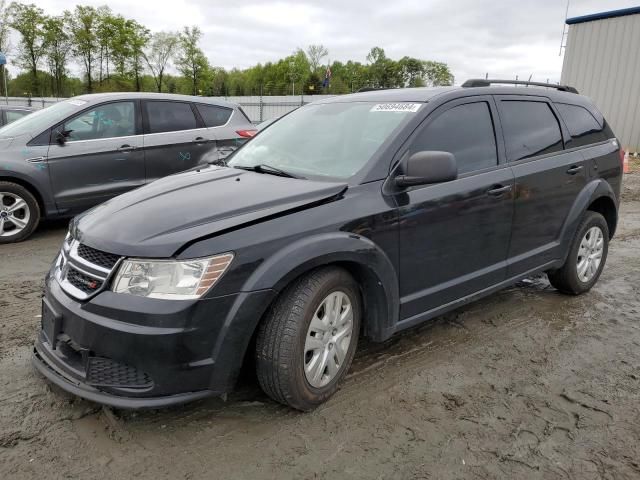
x=61, y=136
x=427, y=167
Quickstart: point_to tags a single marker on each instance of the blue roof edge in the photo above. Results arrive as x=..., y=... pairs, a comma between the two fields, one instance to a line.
x=603, y=15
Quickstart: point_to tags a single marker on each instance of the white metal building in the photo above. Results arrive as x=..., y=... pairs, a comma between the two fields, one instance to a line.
x=602, y=60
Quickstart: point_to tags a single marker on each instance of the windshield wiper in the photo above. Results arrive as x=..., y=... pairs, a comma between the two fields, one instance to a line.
x=264, y=168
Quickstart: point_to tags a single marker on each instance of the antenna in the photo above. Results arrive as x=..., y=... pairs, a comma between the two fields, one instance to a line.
x=564, y=30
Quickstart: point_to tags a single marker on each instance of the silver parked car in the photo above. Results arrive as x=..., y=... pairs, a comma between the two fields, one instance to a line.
x=80, y=152
x=11, y=113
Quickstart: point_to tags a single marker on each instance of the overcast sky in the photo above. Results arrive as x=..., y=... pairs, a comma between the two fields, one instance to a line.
x=502, y=37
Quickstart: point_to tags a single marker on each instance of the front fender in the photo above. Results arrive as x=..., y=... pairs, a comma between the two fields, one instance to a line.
x=591, y=192
x=378, y=277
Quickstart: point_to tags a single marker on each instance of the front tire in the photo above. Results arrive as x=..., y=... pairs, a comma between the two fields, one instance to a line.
x=586, y=258
x=19, y=213
x=307, y=341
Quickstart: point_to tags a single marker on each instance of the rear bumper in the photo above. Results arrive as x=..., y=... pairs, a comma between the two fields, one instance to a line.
x=133, y=352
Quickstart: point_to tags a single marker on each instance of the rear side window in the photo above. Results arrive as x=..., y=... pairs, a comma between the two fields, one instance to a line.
x=530, y=129
x=213, y=115
x=13, y=115
x=582, y=125
x=467, y=132
x=169, y=116
x=244, y=114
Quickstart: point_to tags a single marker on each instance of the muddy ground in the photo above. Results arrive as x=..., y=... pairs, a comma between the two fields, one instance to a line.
x=527, y=383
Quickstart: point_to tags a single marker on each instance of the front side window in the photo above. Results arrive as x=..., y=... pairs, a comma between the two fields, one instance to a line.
x=169, y=116
x=213, y=115
x=530, y=129
x=582, y=125
x=40, y=120
x=110, y=120
x=333, y=140
x=467, y=132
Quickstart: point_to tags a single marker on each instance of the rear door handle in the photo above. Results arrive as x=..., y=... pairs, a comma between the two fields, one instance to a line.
x=575, y=169
x=126, y=148
x=498, y=190
x=199, y=140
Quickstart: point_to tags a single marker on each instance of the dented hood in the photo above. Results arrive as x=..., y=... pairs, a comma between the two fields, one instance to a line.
x=157, y=219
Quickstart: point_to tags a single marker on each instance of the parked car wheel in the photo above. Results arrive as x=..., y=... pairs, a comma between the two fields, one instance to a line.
x=19, y=212
x=586, y=258
x=307, y=341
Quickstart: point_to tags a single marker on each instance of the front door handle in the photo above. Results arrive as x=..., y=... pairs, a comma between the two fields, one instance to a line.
x=199, y=140
x=126, y=148
x=574, y=169
x=498, y=190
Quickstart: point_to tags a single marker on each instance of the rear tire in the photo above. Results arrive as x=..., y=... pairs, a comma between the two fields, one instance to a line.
x=586, y=258
x=19, y=212
x=307, y=341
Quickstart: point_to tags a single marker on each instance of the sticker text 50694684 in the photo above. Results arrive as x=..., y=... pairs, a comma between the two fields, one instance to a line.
x=396, y=107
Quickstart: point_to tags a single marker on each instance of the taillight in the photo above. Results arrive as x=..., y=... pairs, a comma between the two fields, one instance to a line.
x=621, y=152
x=246, y=133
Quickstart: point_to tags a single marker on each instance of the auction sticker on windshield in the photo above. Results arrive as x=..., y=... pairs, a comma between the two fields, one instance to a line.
x=396, y=107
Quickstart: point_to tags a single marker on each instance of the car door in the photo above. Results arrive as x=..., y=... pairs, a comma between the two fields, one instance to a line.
x=101, y=155
x=548, y=179
x=229, y=131
x=454, y=236
x=175, y=137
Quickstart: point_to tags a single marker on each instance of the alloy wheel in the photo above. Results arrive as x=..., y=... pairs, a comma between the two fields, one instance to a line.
x=14, y=214
x=328, y=339
x=590, y=254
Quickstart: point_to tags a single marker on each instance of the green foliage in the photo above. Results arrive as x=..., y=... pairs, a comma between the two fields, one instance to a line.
x=28, y=21
x=161, y=48
x=192, y=62
x=116, y=53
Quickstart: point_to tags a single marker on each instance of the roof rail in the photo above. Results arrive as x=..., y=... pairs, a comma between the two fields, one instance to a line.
x=372, y=89
x=481, y=82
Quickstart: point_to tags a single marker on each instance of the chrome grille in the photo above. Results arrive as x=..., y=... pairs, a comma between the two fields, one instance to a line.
x=97, y=257
x=83, y=271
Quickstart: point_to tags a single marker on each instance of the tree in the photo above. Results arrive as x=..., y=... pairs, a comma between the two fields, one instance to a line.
x=162, y=48
x=28, y=21
x=138, y=37
x=437, y=74
x=105, y=32
x=56, y=48
x=5, y=43
x=83, y=24
x=315, y=54
x=191, y=61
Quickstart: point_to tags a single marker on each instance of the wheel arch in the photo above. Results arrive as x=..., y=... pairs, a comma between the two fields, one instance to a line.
x=29, y=186
x=371, y=268
x=605, y=206
x=362, y=258
x=597, y=196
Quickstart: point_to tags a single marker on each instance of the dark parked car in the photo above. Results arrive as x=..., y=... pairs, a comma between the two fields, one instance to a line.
x=357, y=215
x=10, y=113
x=75, y=154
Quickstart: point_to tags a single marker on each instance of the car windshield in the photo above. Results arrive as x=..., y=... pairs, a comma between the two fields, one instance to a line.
x=42, y=119
x=325, y=140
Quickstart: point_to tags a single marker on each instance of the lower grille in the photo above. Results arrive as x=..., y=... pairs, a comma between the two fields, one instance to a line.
x=83, y=282
x=104, y=372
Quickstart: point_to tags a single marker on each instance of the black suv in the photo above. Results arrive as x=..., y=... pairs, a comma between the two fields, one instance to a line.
x=363, y=214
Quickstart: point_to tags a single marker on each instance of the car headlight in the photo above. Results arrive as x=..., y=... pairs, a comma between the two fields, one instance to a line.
x=170, y=279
